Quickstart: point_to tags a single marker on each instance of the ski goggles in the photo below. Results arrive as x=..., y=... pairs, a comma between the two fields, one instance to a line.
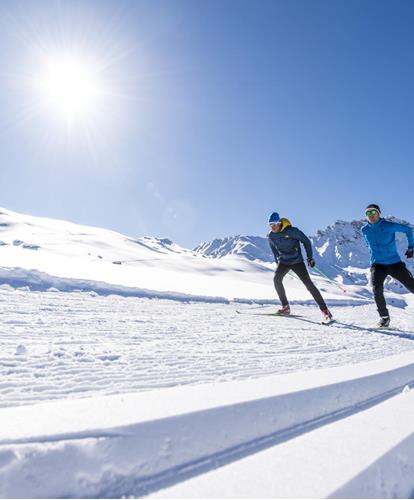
x=373, y=211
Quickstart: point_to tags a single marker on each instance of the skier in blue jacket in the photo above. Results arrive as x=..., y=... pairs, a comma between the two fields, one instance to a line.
x=385, y=260
x=285, y=243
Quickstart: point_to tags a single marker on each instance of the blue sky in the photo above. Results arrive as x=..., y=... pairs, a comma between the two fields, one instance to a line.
x=215, y=114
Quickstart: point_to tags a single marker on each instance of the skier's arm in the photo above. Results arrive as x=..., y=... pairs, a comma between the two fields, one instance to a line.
x=366, y=238
x=306, y=243
x=274, y=250
x=404, y=228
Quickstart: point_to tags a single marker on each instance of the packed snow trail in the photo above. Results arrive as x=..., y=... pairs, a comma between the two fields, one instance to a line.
x=135, y=444
x=56, y=345
x=368, y=455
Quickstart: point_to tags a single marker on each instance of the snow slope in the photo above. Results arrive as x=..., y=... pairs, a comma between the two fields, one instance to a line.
x=108, y=389
x=43, y=253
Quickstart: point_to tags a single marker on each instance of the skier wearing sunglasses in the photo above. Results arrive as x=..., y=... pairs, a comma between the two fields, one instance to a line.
x=285, y=243
x=385, y=260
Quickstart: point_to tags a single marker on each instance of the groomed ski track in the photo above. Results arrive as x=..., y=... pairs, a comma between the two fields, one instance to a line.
x=211, y=395
x=157, y=439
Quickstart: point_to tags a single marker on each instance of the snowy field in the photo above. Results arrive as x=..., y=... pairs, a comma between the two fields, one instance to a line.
x=57, y=345
x=109, y=396
x=127, y=372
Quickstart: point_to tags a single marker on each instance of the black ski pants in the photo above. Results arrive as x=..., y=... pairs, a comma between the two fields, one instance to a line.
x=379, y=272
x=302, y=273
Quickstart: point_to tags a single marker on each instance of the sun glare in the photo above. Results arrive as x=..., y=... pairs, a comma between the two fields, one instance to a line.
x=70, y=86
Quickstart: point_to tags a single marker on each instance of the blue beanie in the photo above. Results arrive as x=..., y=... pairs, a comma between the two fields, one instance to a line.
x=273, y=218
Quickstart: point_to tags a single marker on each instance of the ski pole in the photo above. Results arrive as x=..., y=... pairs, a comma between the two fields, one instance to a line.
x=330, y=279
x=337, y=284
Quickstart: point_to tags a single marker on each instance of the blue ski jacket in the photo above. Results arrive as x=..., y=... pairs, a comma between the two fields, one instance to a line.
x=380, y=238
x=285, y=245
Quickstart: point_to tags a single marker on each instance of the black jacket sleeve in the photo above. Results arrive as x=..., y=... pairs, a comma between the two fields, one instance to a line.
x=306, y=243
x=274, y=250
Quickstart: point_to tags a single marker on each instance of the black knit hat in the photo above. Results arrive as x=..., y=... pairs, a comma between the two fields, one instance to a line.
x=373, y=205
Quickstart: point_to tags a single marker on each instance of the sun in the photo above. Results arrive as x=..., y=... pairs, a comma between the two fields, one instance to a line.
x=70, y=85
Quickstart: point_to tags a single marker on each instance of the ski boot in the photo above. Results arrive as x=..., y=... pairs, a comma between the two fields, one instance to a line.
x=384, y=322
x=327, y=316
x=284, y=311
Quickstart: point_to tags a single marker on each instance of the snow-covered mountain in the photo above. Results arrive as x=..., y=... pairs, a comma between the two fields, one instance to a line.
x=250, y=247
x=44, y=253
x=341, y=252
x=341, y=247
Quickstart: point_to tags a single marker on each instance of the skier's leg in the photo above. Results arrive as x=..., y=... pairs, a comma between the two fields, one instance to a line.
x=281, y=271
x=378, y=275
x=402, y=274
x=302, y=272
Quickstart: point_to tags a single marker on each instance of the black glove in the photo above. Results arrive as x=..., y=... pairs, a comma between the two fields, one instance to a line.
x=409, y=253
x=311, y=262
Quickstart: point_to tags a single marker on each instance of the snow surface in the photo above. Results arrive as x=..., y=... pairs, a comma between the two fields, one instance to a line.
x=370, y=454
x=56, y=345
x=126, y=371
x=200, y=438
x=106, y=261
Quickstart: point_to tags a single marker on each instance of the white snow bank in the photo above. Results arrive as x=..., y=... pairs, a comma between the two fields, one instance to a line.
x=58, y=251
x=34, y=280
x=138, y=443
x=367, y=455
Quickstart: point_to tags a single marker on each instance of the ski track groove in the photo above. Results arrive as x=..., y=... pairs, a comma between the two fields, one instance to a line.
x=80, y=344
x=127, y=486
x=121, y=486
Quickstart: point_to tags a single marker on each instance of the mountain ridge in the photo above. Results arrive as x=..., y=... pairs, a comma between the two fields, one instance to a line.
x=340, y=251
x=67, y=249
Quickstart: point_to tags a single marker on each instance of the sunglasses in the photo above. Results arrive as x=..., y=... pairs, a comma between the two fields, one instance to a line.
x=371, y=212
